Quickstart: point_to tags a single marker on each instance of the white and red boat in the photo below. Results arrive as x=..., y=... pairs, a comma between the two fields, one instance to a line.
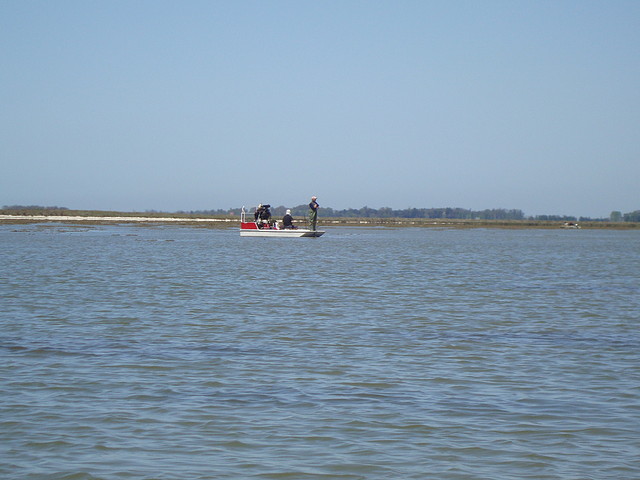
x=253, y=229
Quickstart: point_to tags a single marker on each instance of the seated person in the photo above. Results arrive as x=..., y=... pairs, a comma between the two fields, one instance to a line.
x=263, y=216
x=287, y=221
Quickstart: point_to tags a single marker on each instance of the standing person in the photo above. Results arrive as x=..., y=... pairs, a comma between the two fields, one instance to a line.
x=265, y=215
x=313, y=213
x=256, y=215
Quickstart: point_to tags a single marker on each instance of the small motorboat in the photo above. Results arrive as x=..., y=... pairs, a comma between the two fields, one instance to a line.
x=254, y=229
x=570, y=225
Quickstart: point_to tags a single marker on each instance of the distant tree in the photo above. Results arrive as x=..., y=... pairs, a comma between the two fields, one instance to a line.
x=615, y=216
x=31, y=207
x=385, y=212
x=555, y=218
x=632, y=216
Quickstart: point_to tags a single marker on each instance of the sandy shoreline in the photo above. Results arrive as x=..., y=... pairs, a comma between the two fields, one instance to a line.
x=335, y=222
x=77, y=218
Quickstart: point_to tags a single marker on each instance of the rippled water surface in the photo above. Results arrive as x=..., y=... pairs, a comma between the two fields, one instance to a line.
x=151, y=352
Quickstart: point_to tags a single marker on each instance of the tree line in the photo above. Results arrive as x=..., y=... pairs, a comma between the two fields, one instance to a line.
x=626, y=217
x=367, y=212
x=434, y=213
x=386, y=212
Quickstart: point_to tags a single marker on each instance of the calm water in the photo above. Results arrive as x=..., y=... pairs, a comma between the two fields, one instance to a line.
x=139, y=352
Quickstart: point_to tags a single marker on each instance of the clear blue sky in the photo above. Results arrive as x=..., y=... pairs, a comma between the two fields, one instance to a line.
x=189, y=105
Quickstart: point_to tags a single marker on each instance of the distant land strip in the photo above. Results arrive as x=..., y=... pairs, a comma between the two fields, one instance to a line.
x=228, y=221
x=108, y=218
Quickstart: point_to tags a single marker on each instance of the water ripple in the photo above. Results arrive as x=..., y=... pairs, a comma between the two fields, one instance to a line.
x=136, y=352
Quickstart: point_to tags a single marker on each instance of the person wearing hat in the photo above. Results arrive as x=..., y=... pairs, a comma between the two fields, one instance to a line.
x=313, y=213
x=287, y=221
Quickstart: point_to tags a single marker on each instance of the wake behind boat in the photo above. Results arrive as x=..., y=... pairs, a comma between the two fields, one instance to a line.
x=255, y=229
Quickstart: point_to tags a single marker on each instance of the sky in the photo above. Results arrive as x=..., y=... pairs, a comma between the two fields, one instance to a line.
x=196, y=105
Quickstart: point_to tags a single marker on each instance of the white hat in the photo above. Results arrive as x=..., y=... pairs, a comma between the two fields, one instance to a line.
x=289, y=212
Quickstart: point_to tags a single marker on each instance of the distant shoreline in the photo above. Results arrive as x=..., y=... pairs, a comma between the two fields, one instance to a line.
x=106, y=218
x=230, y=221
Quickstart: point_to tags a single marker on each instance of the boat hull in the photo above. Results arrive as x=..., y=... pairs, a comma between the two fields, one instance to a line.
x=298, y=233
x=250, y=229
